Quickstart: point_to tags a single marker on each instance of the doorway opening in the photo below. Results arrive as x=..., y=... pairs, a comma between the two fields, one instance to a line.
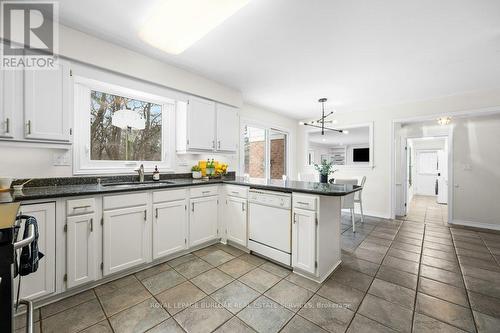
x=426, y=190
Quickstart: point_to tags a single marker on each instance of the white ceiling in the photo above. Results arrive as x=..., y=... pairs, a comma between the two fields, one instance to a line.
x=285, y=54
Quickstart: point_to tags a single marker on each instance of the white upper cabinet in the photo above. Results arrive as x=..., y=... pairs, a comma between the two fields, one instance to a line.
x=203, y=125
x=7, y=102
x=46, y=104
x=227, y=128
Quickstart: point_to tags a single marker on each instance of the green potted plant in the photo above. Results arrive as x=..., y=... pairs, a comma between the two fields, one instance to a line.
x=324, y=169
x=196, y=170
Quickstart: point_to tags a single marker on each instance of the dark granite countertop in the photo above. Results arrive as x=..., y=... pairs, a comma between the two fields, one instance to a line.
x=80, y=189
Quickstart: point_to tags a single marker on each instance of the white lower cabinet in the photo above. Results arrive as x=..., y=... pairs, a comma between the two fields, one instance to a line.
x=42, y=282
x=169, y=228
x=125, y=238
x=81, y=245
x=235, y=216
x=203, y=220
x=304, y=240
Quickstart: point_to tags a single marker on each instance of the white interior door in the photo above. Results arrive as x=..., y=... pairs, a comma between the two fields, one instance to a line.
x=442, y=177
x=427, y=170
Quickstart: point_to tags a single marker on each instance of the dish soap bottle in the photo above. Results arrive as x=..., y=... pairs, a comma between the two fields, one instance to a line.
x=156, y=174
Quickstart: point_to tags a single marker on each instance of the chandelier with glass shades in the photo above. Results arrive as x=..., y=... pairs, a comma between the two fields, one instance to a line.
x=320, y=123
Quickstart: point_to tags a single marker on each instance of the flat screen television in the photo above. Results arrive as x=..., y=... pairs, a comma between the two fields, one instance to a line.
x=361, y=154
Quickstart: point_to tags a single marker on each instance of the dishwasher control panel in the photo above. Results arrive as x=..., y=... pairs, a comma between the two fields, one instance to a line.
x=270, y=198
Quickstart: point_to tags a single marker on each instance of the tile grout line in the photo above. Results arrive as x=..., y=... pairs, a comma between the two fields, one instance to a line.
x=463, y=281
x=418, y=277
x=374, y=277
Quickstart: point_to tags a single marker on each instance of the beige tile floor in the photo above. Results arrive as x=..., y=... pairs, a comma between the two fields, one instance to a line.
x=407, y=276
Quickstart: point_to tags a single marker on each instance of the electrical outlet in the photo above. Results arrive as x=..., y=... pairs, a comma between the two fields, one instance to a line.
x=61, y=158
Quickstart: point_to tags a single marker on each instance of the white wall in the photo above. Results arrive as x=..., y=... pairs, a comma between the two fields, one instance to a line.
x=20, y=160
x=377, y=192
x=476, y=172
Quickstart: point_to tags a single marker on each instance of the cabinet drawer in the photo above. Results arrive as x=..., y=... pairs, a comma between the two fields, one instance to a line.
x=170, y=195
x=203, y=191
x=237, y=191
x=305, y=202
x=80, y=206
x=125, y=200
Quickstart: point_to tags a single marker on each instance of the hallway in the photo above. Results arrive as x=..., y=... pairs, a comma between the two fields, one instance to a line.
x=425, y=209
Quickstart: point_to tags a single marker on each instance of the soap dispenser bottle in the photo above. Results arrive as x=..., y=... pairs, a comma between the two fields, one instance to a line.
x=156, y=174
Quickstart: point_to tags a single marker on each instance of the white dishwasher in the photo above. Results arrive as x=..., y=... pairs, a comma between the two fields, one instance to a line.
x=270, y=224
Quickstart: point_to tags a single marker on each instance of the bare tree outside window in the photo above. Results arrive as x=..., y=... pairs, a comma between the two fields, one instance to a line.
x=125, y=140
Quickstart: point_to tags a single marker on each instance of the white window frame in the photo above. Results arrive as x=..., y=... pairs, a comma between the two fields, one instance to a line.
x=82, y=165
x=267, y=128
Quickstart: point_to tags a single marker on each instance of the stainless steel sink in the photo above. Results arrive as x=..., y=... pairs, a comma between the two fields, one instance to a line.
x=133, y=184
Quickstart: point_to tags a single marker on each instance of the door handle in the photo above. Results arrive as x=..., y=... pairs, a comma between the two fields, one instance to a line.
x=28, y=125
x=7, y=125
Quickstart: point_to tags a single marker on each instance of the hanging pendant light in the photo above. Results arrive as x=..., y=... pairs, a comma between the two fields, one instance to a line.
x=320, y=123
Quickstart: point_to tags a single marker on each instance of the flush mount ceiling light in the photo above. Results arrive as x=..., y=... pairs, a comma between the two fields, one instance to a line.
x=320, y=123
x=444, y=120
x=177, y=24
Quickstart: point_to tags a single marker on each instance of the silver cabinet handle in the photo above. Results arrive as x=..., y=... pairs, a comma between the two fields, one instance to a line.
x=145, y=215
x=7, y=125
x=219, y=144
x=302, y=203
x=213, y=144
x=234, y=192
x=205, y=192
x=242, y=206
x=81, y=207
x=156, y=212
x=294, y=218
x=91, y=225
x=192, y=206
x=29, y=126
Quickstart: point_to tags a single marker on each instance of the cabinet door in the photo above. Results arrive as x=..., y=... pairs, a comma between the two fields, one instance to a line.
x=227, y=128
x=7, y=101
x=201, y=124
x=42, y=282
x=169, y=228
x=125, y=238
x=304, y=240
x=235, y=216
x=46, y=107
x=80, y=255
x=203, y=220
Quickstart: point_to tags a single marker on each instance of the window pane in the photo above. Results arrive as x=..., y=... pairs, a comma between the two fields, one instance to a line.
x=255, y=150
x=124, y=129
x=278, y=154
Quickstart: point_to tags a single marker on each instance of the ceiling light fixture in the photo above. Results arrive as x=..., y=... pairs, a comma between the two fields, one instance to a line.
x=177, y=24
x=320, y=123
x=444, y=120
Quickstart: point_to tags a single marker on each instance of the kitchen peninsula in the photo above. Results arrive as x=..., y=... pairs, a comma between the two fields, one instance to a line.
x=91, y=222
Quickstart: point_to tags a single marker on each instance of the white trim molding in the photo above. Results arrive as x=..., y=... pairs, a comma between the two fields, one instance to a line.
x=82, y=164
x=482, y=225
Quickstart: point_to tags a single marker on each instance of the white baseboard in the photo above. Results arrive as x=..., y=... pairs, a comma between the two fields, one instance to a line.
x=476, y=224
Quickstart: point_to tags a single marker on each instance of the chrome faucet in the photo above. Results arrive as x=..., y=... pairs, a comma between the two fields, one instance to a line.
x=140, y=170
